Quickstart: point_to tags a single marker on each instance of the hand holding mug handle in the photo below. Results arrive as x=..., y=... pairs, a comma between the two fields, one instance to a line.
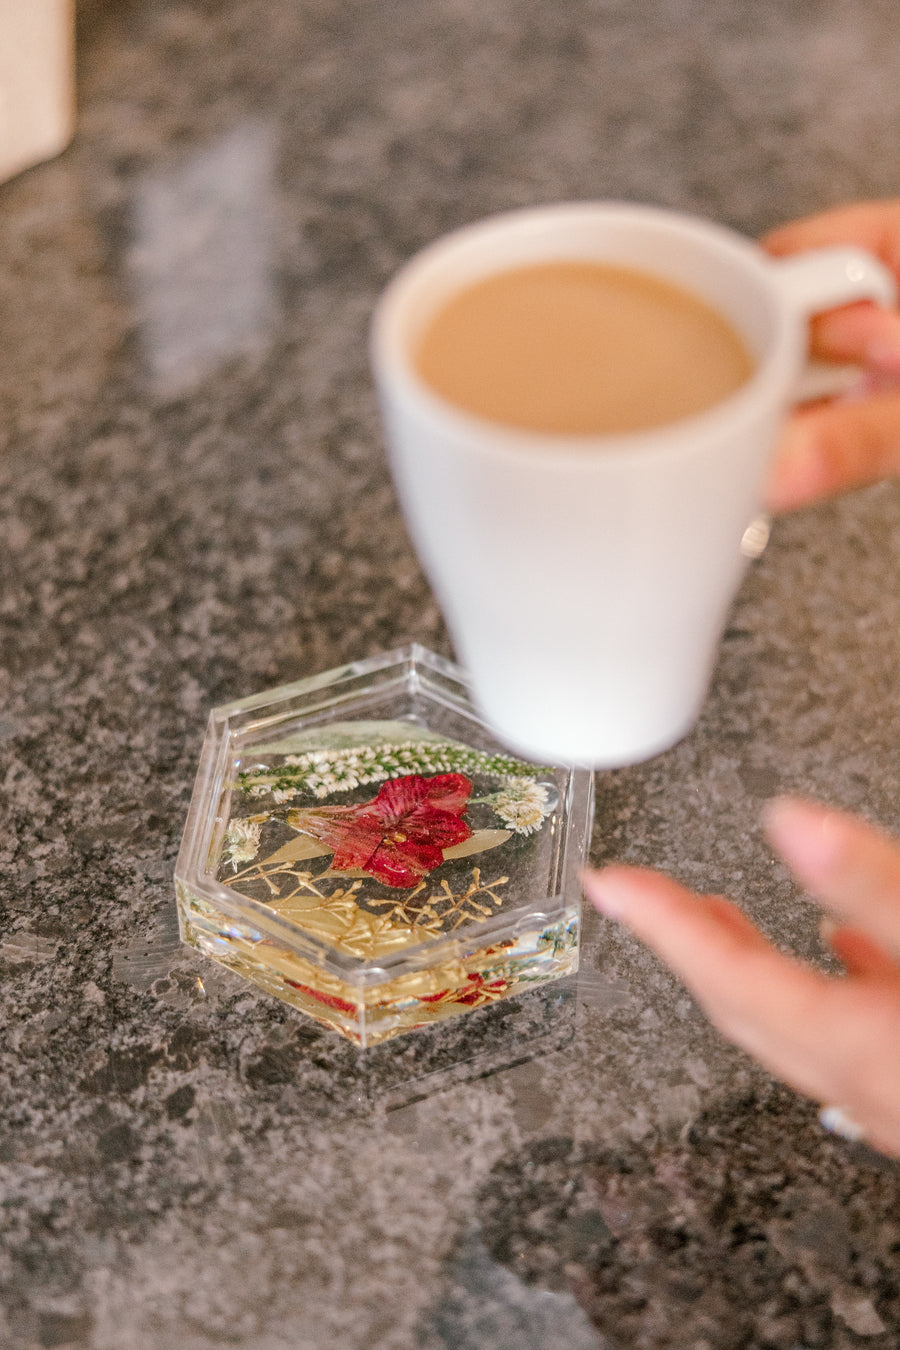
x=854, y=438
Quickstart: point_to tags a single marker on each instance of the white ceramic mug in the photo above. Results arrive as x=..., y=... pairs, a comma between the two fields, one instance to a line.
x=585, y=580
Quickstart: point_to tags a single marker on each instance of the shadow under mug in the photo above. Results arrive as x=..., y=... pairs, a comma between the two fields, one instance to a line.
x=586, y=579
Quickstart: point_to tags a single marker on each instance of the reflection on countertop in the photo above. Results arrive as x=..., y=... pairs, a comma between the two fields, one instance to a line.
x=200, y=259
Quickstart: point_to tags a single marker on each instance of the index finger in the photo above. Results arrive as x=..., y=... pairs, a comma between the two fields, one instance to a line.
x=863, y=333
x=782, y=1012
x=872, y=225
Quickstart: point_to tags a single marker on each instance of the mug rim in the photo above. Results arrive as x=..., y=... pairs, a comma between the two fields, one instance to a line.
x=770, y=383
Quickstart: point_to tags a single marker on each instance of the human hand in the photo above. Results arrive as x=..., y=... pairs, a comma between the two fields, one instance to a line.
x=846, y=442
x=836, y=1040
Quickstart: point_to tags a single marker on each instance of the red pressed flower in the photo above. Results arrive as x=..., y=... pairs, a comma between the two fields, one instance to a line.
x=400, y=835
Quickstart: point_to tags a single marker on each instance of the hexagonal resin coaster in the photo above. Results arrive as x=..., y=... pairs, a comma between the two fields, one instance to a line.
x=361, y=845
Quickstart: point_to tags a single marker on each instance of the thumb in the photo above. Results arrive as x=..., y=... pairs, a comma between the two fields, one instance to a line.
x=833, y=448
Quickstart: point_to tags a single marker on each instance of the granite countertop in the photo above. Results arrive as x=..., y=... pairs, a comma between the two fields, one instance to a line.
x=194, y=505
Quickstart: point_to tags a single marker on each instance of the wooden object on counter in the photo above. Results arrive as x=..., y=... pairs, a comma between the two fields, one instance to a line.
x=37, y=81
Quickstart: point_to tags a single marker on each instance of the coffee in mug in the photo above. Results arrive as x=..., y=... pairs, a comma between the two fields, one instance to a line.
x=580, y=347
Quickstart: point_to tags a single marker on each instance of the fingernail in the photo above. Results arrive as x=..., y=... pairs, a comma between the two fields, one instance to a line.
x=608, y=891
x=883, y=353
x=827, y=930
x=808, y=836
x=797, y=474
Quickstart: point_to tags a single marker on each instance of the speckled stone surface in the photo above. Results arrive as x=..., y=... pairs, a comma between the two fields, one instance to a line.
x=194, y=505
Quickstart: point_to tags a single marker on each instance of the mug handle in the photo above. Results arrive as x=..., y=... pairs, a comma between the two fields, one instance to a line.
x=824, y=279
x=827, y=277
x=812, y=282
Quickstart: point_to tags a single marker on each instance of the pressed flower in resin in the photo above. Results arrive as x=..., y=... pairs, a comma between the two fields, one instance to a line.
x=522, y=804
x=242, y=841
x=400, y=835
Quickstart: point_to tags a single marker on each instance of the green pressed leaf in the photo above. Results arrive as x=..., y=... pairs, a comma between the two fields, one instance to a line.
x=295, y=850
x=480, y=841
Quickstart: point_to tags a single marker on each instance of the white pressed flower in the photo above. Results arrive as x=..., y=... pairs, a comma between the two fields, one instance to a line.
x=523, y=817
x=522, y=804
x=259, y=790
x=284, y=794
x=526, y=789
x=242, y=841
